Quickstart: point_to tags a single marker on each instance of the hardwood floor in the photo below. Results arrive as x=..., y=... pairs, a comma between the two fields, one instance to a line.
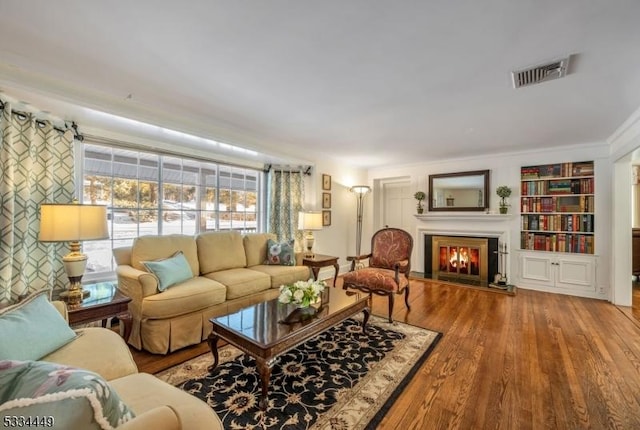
x=530, y=361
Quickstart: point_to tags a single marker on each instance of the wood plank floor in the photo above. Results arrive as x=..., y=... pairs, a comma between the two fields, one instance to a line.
x=531, y=361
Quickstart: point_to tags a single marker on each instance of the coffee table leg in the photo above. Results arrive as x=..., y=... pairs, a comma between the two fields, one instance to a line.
x=366, y=313
x=212, y=340
x=264, y=370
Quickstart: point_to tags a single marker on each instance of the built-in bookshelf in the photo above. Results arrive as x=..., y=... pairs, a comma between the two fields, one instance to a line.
x=557, y=207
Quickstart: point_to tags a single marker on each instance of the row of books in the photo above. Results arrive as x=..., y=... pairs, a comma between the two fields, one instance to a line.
x=568, y=203
x=567, y=186
x=558, y=242
x=581, y=168
x=572, y=222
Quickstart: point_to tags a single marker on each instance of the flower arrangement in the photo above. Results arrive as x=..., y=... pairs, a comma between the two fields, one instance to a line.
x=503, y=192
x=301, y=293
x=420, y=196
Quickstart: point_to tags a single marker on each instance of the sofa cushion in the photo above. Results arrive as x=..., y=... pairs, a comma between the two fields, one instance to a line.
x=189, y=296
x=220, y=250
x=32, y=329
x=170, y=271
x=241, y=282
x=281, y=275
x=143, y=392
x=150, y=248
x=74, y=398
x=82, y=353
x=255, y=247
x=280, y=253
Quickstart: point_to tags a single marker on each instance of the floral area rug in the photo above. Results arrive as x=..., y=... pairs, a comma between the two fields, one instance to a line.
x=340, y=379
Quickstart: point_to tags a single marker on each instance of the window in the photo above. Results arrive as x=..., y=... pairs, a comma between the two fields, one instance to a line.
x=149, y=193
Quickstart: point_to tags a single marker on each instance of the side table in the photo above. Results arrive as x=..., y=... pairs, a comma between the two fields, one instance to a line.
x=104, y=301
x=318, y=261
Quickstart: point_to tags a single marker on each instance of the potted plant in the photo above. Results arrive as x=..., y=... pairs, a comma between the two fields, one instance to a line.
x=420, y=196
x=503, y=192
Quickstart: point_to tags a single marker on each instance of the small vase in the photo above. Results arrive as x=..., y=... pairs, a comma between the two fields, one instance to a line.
x=420, y=209
x=503, y=209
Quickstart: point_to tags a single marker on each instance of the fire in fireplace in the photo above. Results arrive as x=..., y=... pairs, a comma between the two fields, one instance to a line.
x=461, y=260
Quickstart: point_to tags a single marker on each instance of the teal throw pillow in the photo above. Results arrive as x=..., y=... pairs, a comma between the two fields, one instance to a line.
x=281, y=253
x=59, y=396
x=170, y=271
x=33, y=328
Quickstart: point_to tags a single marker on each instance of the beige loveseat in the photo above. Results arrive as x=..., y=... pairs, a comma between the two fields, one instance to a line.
x=228, y=273
x=156, y=404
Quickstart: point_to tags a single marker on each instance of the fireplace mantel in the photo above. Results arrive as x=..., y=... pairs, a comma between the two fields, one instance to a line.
x=479, y=224
x=466, y=216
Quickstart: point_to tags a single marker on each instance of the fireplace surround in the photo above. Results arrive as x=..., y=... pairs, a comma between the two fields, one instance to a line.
x=461, y=258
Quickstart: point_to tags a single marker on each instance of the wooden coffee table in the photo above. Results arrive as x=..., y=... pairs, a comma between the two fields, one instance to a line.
x=268, y=329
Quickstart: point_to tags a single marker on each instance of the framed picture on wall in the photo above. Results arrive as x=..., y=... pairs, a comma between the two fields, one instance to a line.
x=326, y=218
x=326, y=200
x=326, y=181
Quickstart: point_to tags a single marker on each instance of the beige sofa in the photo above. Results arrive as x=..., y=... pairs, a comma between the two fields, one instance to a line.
x=156, y=404
x=228, y=273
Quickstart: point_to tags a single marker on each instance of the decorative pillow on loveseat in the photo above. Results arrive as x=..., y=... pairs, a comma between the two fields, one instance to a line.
x=64, y=397
x=281, y=253
x=33, y=328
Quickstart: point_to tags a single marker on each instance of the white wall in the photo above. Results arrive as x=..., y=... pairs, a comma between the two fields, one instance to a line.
x=505, y=170
x=338, y=239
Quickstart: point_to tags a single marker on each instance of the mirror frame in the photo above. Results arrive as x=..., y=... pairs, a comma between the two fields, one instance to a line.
x=485, y=176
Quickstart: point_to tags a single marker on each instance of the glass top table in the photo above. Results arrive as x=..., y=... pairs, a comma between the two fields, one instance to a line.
x=268, y=329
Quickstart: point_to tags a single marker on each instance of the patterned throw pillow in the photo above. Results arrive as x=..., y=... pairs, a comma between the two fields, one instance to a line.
x=69, y=398
x=280, y=253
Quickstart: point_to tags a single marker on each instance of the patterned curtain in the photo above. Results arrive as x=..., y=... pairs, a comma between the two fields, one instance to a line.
x=286, y=194
x=36, y=166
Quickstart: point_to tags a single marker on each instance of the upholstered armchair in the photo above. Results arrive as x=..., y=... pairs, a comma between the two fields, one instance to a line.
x=389, y=265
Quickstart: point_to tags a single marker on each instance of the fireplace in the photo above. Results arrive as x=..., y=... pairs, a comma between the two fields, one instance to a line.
x=465, y=259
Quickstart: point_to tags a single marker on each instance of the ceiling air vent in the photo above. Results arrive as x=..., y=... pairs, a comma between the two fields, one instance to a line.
x=541, y=73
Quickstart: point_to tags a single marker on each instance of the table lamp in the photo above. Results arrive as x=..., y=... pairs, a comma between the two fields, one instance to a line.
x=309, y=221
x=73, y=223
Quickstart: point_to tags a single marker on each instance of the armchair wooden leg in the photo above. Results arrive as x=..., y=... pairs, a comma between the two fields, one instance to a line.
x=391, y=302
x=406, y=297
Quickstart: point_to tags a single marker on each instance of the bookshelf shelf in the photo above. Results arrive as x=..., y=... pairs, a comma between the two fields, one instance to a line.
x=557, y=207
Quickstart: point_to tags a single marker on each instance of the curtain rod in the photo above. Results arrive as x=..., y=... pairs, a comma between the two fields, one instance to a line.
x=41, y=122
x=305, y=170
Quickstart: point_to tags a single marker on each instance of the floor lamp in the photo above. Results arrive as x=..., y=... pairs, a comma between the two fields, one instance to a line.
x=360, y=192
x=73, y=223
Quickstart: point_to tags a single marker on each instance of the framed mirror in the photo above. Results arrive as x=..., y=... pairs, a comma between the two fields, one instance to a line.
x=461, y=191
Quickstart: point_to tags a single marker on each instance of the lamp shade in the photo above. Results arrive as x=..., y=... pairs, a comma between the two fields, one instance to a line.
x=360, y=189
x=310, y=221
x=72, y=222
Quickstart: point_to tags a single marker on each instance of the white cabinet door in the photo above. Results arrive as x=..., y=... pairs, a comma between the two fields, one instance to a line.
x=537, y=269
x=576, y=274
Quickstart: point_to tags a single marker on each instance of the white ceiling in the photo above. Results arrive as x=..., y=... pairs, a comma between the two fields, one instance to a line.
x=375, y=82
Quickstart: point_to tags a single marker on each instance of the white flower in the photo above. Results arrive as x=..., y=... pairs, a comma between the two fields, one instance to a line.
x=298, y=295
x=285, y=295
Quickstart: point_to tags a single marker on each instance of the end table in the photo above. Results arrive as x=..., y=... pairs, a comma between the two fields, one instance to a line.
x=105, y=301
x=318, y=261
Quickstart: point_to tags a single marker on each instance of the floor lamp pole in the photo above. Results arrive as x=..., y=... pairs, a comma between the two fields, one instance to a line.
x=359, y=225
x=361, y=191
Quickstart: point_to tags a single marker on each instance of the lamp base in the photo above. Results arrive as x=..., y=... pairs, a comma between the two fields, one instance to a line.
x=74, y=298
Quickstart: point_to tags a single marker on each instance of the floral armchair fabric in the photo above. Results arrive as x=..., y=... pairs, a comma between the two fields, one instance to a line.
x=389, y=266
